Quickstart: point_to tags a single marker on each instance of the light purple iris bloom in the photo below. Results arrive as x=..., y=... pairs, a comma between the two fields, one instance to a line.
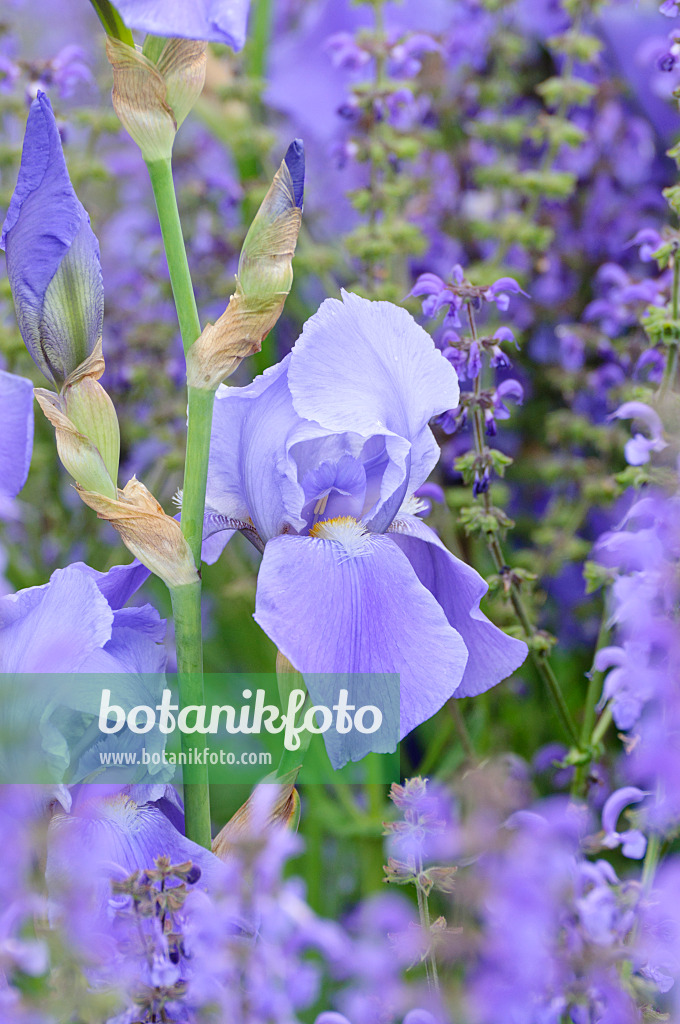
x=69, y=631
x=316, y=462
x=105, y=833
x=69, y=625
x=16, y=432
x=52, y=254
x=216, y=21
x=53, y=639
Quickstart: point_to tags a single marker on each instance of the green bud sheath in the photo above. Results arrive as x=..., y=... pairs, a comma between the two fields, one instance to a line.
x=152, y=99
x=264, y=279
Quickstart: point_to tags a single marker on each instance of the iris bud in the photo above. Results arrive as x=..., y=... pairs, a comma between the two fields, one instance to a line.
x=155, y=88
x=152, y=536
x=52, y=255
x=264, y=279
x=272, y=805
x=86, y=428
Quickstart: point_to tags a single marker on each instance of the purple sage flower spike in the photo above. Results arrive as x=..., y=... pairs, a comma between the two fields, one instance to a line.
x=215, y=21
x=16, y=432
x=632, y=841
x=52, y=255
x=318, y=460
x=639, y=448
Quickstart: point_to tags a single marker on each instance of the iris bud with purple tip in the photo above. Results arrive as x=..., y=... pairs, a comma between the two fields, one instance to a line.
x=52, y=255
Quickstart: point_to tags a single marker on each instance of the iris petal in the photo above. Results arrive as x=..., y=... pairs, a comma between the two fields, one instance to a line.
x=247, y=475
x=216, y=21
x=459, y=589
x=108, y=835
x=369, y=368
x=329, y=612
x=55, y=627
x=16, y=432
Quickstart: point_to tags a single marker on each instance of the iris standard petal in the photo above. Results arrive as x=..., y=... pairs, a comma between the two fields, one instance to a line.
x=16, y=432
x=136, y=644
x=55, y=627
x=330, y=610
x=120, y=582
x=458, y=588
x=248, y=474
x=369, y=368
x=216, y=21
x=52, y=254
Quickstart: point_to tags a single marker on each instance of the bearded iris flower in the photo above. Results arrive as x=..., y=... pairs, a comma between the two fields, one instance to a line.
x=53, y=639
x=317, y=462
x=216, y=21
x=102, y=832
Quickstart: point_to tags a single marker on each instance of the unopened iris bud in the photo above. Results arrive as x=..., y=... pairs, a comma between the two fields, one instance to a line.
x=155, y=88
x=152, y=536
x=87, y=434
x=272, y=805
x=52, y=255
x=264, y=279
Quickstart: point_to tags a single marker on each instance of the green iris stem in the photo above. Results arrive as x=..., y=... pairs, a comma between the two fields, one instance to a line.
x=540, y=659
x=186, y=610
x=260, y=32
x=112, y=21
x=160, y=173
x=196, y=468
x=188, y=631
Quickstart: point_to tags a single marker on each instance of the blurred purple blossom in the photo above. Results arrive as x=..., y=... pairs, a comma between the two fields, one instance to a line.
x=633, y=843
x=648, y=241
x=553, y=927
x=643, y=662
x=639, y=448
